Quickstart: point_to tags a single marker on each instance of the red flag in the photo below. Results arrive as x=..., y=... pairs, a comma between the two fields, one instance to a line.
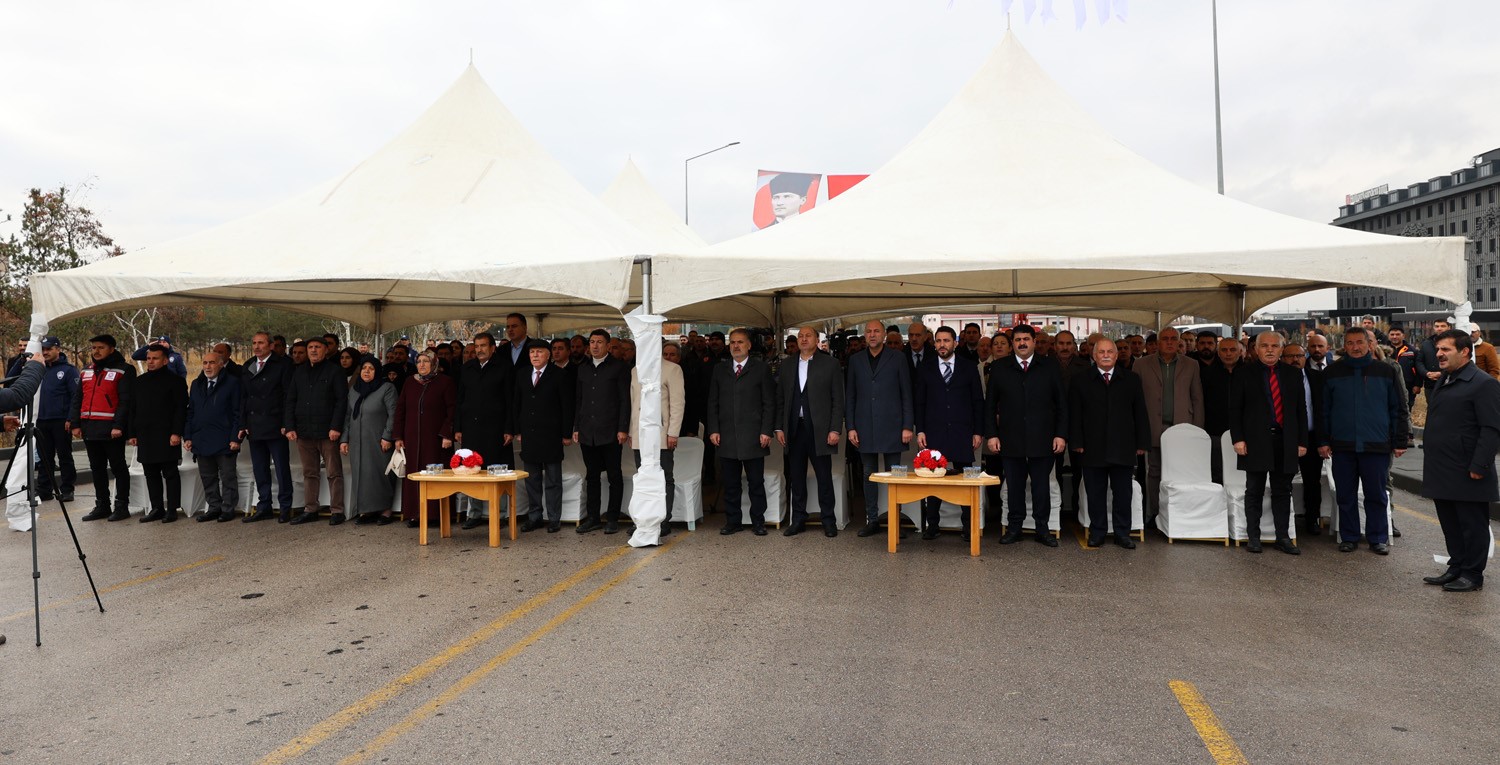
x=838, y=184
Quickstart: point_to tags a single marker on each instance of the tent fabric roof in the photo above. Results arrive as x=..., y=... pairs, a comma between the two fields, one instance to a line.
x=459, y=216
x=633, y=198
x=1012, y=194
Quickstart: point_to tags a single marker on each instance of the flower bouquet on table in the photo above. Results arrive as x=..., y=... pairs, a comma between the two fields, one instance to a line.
x=466, y=462
x=930, y=463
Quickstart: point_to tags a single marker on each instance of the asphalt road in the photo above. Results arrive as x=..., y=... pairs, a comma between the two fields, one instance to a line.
x=269, y=643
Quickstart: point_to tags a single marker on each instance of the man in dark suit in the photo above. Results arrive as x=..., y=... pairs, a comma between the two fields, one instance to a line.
x=741, y=414
x=1458, y=459
x=878, y=414
x=1268, y=425
x=158, y=411
x=1311, y=464
x=1217, y=379
x=1108, y=430
x=212, y=434
x=809, y=418
x=948, y=406
x=541, y=421
x=266, y=377
x=1026, y=421
x=601, y=424
x=481, y=413
x=919, y=349
x=315, y=409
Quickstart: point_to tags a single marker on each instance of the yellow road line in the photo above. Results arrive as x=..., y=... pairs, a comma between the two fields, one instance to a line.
x=468, y=681
x=352, y=713
x=116, y=587
x=1082, y=534
x=1415, y=514
x=1220, y=745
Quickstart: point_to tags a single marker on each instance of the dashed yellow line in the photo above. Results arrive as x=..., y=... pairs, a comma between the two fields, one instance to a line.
x=1220, y=745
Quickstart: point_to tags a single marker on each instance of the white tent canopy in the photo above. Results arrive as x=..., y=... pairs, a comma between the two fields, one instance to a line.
x=1012, y=194
x=459, y=216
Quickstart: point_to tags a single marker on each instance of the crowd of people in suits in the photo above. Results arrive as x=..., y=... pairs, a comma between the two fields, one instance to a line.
x=1025, y=404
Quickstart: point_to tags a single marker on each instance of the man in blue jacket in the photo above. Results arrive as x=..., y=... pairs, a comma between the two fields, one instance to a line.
x=1365, y=421
x=174, y=359
x=54, y=443
x=212, y=434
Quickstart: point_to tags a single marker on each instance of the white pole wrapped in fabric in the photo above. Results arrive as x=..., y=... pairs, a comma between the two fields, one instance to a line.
x=648, y=502
x=17, y=511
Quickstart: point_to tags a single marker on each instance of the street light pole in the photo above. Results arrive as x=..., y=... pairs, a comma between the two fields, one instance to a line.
x=1218, y=121
x=685, y=176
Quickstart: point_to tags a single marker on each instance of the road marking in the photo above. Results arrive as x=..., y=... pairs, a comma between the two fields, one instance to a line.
x=1082, y=534
x=116, y=587
x=1415, y=514
x=468, y=681
x=352, y=713
x=1220, y=745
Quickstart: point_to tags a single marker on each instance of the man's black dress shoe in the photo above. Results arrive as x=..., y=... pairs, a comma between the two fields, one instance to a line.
x=286, y=515
x=97, y=514
x=1046, y=538
x=335, y=519
x=1011, y=537
x=758, y=529
x=121, y=513
x=870, y=529
x=1096, y=540
x=153, y=516
x=411, y=524
x=587, y=525
x=474, y=521
x=169, y=516
x=304, y=517
x=1380, y=548
x=611, y=527
x=531, y=524
x=1441, y=579
x=1314, y=527
x=66, y=495
x=1252, y=545
x=226, y=516
x=1395, y=532
x=1463, y=584
x=554, y=526
x=1346, y=547
x=1124, y=540
x=1285, y=545
x=206, y=517
x=365, y=519
x=258, y=515
x=797, y=527
x=830, y=531
x=727, y=530
x=386, y=520
x=666, y=528
x=930, y=532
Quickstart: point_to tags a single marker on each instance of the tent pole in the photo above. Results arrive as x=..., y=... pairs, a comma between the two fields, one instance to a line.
x=1239, y=310
x=1158, y=322
x=645, y=282
x=776, y=328
x=379, y=306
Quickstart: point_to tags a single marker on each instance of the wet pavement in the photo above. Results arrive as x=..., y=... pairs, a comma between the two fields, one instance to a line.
x=271, y=643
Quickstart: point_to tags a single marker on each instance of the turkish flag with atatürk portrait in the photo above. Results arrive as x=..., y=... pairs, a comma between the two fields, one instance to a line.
x=780, y=196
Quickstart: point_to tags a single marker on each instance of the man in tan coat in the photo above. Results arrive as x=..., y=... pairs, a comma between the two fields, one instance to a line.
x=1174, y=395
x=672, y=407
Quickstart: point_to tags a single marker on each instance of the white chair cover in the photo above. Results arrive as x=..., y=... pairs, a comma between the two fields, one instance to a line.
x=1192, y=505
x=1137, y=510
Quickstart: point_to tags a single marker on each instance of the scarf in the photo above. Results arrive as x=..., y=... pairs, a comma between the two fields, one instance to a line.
x=364, y=389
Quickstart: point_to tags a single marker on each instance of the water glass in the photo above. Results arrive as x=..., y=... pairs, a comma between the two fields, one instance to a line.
x=434, y=469
x=971, y=473
x=898, y=471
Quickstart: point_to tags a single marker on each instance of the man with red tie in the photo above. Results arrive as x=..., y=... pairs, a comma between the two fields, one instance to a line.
x=1268, y=425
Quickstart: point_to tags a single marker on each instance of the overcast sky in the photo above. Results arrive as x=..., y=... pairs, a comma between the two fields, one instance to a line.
x=183, y=115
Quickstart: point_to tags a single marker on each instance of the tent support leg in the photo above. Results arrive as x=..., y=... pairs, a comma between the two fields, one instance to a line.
x=1239, y=309
x=645, y=283
x=1158, y=322
x=379, y=306
x=777, y=328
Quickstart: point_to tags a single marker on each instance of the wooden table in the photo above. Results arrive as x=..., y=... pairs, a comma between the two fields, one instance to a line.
x=954, y=488
x=481, y=486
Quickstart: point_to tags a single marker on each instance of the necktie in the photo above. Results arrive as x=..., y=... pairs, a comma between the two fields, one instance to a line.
x=1275, y=393
x=1024, y=364
x=1106, y=377
x=738, y=368
x=211, y=385
x=947, y=371
x=536, y=377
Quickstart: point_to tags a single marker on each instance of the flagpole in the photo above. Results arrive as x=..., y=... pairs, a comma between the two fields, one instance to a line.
x=1218, y=120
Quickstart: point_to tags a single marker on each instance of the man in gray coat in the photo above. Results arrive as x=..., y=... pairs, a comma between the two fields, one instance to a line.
x=1174, y=395
x=1458, y=459
x=741, y=407
x=878, y=413
x=809, y=417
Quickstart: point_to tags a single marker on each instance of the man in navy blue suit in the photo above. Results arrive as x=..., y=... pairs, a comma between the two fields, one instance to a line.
x=1026, y=421
x=949, y=406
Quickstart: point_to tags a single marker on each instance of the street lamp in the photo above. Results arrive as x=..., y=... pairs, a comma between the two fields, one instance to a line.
x=685, y=176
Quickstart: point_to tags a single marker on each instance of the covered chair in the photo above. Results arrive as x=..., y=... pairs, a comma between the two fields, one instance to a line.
x=1137, y=511
x=1234, y=495
x=1192, y=505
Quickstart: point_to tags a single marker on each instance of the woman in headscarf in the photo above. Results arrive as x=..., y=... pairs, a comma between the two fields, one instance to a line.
x=367, y=439
x=424, y=428
x=349, y=361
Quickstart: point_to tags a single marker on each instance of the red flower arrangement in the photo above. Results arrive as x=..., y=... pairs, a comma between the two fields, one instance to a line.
x=466, y=458
x=930, y=459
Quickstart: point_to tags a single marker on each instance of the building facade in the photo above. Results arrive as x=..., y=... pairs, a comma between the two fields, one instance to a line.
x=1466, y=203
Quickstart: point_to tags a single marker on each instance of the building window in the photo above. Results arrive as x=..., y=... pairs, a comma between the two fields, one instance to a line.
x=1492, y=270
x=1478, y=271
x=1478, y=248
x=1429, y=301
x=1476, y=199
x=1466, y=225
x=1492, y=196
x=1492, y=294
x=1452, y=229
x=1419, y=213
x=1429, y=211
x=1463, y=203
x=1492, y=246
x=1478, y=296
x=1429, y=230
x=1452, y=205
x=1408, y=216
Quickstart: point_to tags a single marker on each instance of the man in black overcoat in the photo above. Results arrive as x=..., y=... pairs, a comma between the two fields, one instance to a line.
x=1268, y=426
x=1108, y=431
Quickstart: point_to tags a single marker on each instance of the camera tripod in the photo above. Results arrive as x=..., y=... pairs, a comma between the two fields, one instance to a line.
x=26, y=435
